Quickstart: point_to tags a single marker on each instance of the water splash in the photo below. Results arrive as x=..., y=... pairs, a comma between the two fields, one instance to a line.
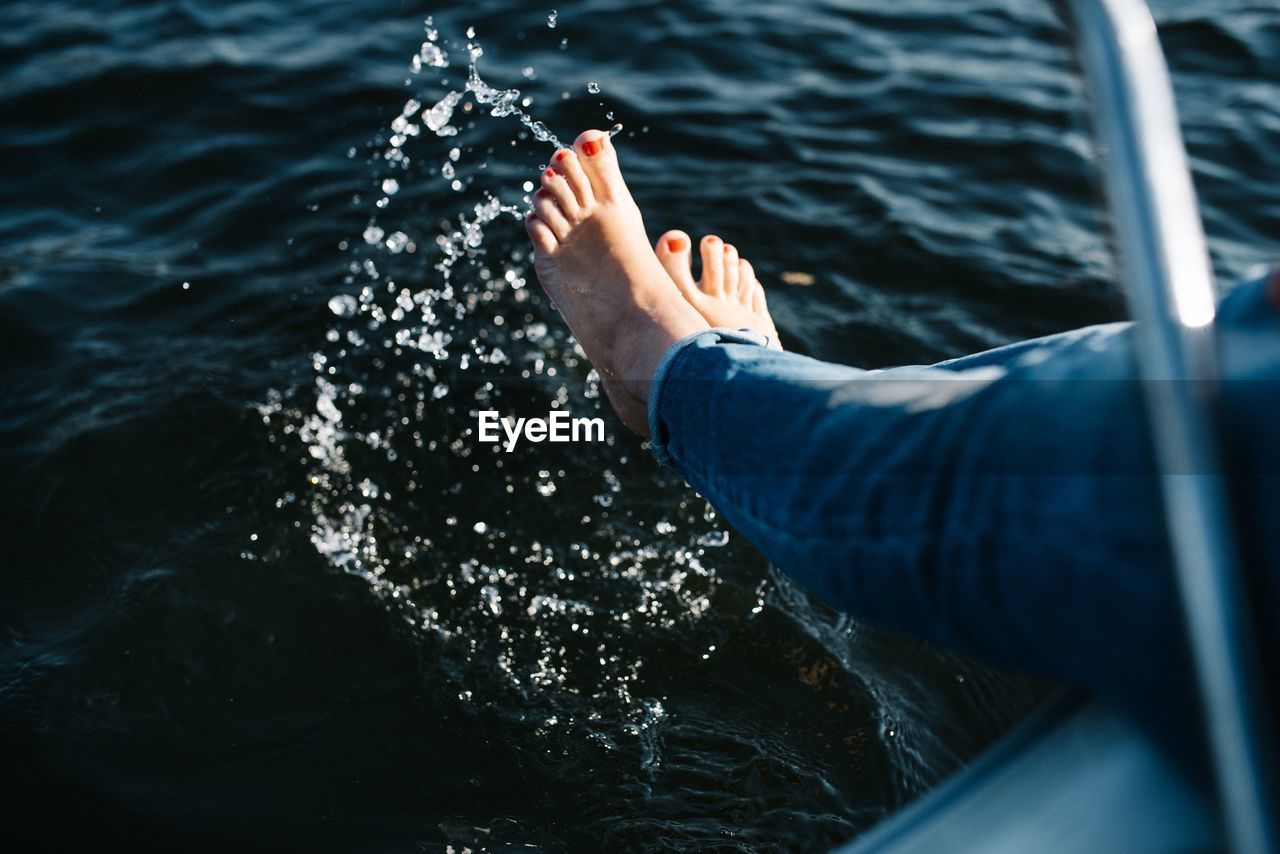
x=543, y=578
x=554, y=585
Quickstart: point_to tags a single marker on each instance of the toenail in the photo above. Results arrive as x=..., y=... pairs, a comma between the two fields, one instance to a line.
x=562, y=154
x=550, y=173
x=712, y=240
x=592, y=147
x=675, y=244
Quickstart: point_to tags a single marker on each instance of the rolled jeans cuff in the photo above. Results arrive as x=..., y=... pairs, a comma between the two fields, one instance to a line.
x=671, y=362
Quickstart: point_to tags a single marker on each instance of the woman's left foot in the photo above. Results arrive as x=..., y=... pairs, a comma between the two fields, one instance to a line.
x=728, y=294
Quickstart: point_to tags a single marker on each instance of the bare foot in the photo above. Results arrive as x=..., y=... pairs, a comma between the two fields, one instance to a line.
x=593, y=259
x=728, y=293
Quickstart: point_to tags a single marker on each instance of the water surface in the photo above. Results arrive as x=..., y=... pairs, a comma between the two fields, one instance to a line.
x=261, y=585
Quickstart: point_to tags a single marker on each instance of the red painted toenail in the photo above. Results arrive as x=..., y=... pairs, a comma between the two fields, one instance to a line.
x=592, y=147
x=550, y=173
x=675, y=244
x=562, y=154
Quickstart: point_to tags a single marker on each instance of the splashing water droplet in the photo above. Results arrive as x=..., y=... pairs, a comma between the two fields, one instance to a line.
x=396, y=242
x=551, y=19
x=422, y=335
x=432, y=56
x=437, y=118
x=593, y=87
x=714, y=539
x=502, y=102
x=343, y=305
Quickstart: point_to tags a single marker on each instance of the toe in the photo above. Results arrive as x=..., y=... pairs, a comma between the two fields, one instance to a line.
x=746, y=274
x=544, y=239
x=555, y=184
x=600, y=163
x=731, y=270
x=673, y=251
x=712, y=265
x=549, y=212
x=565, y=161
x=758, y=304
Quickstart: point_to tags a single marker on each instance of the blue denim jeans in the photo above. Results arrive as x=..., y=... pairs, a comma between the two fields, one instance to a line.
x=1005, y=504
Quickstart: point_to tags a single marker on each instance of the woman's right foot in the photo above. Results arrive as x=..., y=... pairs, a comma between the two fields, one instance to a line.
x=593, y=259
x=728, y=294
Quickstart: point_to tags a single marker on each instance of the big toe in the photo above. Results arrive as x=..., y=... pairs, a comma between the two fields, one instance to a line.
x=600, y=163
x=673, y=251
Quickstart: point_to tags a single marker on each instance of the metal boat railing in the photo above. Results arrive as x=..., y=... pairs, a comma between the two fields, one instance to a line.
x=1086, y=779
x=1168, y=284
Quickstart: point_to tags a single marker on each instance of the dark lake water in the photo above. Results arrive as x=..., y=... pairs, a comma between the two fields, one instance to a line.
x=261, y=586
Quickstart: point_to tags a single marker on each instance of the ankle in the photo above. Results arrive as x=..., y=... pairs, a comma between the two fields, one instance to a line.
x=650, y=334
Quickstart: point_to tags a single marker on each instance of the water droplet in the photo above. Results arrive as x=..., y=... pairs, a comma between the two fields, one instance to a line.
x=431, y=56
x=373, y=235
x=343, y=305
x=714, y=539
x=551, y=19
x=391, y=186
x=396, y=242
x=593, y=87
x=528, y=73
x=437, y=118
